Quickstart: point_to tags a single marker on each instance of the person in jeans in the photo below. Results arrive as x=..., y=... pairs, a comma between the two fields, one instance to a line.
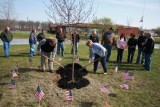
x=48, y=49
x=107, y=40
x=132, y=42
x=141, y=40
x=60, y=45
x=121, y=45
x=75, y=39
x=6, y=36
x=100, y=54
x=32, y=42
x=148, y=50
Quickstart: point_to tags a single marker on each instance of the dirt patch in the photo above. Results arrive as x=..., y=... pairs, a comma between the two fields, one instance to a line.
x=66, y=77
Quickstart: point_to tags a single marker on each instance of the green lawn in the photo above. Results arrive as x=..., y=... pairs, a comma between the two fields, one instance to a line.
x=157, y=40
x=144, y=90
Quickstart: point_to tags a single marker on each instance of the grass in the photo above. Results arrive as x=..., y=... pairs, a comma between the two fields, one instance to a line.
x=143, y=90
x=157, y=40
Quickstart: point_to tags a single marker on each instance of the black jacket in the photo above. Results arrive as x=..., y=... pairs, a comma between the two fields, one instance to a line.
x=132, y=42
x=149, y=46
x=46, y=47
x=75, y=37
x=94, y=39
x=141, y=40
x=60, y=37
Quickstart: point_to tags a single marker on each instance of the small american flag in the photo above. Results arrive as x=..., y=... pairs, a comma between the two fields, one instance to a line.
x=14, y=74
x=12, y=84
x=77, y=59
x=39, y=93
x=124, y=86
x=99, y=64
x=130, y=76
x=30, y=61
x=105, y=89
x=141, y=19
x=69, y=96
x=17, y=66
x=124, y=74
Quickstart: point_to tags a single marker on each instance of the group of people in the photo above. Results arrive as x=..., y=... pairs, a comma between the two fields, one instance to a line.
x=145, y=44
x=49, y=47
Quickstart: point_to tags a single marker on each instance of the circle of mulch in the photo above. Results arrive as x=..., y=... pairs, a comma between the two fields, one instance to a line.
x=66, y=77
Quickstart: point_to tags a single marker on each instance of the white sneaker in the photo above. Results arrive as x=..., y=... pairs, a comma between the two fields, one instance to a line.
x=105, y=73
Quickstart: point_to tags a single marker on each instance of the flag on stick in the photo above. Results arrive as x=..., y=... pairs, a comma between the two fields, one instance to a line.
x=124, y=86
x=69, y=96
x=124, y=74
x=30, y=61
x=17, y=66
x=105, y=89
x=39, y=93
x=14, y=74
x=12, y=84
x=127, y=76
x=141, y=19
x=130, y=76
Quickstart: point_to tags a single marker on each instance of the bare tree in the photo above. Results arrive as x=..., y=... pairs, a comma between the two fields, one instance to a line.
x=7, y=11
x=70, y=12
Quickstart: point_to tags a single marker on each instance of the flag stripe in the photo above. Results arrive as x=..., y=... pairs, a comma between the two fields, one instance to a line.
x=69, y=95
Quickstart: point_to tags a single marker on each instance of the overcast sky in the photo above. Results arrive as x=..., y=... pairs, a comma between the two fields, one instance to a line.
x=119, y=11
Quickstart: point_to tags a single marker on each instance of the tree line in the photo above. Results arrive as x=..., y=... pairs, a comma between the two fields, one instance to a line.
x=23, y=25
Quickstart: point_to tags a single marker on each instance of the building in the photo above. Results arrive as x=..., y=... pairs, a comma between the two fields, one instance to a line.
x=86, y=28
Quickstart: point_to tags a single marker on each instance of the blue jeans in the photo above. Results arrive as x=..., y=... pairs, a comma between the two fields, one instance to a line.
x=6, y=46
x=32, y=49
x=148, y=61
x=60, y=45
x=103, y=62
x=109, y=48
x=140, y=50
x=76, y=48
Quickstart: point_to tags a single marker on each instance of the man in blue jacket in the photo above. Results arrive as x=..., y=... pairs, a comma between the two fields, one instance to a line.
x=32, y=42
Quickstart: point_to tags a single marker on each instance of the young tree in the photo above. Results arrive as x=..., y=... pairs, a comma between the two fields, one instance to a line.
x=70, y=12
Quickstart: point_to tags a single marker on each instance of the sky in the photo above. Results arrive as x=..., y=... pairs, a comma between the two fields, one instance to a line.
x=124, y=12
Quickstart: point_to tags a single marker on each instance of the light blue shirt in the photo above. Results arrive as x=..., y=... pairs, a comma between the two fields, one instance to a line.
x=98, y=49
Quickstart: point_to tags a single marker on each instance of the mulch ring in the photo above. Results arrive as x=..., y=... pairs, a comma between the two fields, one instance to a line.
x=66, y=77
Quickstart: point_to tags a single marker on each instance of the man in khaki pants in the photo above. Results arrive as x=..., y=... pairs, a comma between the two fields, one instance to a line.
x=48, y=49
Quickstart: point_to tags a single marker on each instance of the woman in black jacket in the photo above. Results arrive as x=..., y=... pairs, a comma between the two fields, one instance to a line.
x=132, y=42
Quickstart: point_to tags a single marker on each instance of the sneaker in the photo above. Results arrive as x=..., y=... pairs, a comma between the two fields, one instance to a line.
x=105, y=73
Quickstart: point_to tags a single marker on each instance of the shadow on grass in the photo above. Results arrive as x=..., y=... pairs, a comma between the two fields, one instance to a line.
x=24, y=70
x=112, y=95
x=1, y=96
x=3, y=83
x=125, y=66
x=88, y=104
